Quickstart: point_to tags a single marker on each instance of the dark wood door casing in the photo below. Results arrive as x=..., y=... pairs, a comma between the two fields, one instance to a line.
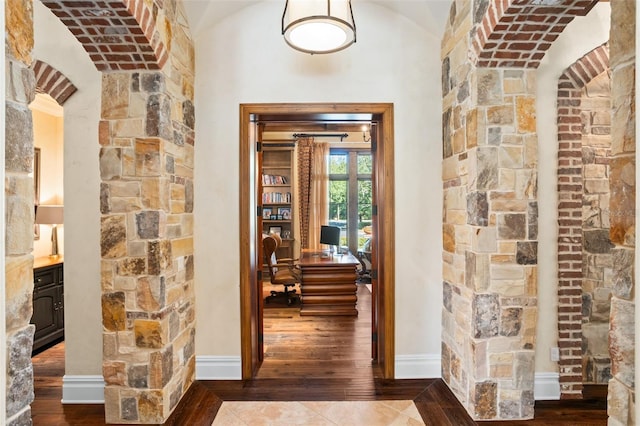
x=249, y=240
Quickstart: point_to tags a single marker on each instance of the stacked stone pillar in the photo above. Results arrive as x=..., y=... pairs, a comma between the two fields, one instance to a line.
x=621, y=397
x=489, y=233
x=146, y=164
x=596, y=251
x=19, y=202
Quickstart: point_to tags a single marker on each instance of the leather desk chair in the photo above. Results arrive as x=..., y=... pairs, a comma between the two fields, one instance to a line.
x=281, y=272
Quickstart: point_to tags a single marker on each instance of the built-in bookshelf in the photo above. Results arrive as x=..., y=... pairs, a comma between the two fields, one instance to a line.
x=277, y=196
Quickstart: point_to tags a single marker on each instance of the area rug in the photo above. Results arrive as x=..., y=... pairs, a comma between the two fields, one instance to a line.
x=318, y=413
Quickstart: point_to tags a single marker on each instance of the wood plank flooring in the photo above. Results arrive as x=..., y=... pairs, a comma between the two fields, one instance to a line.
x=47, y=409
x=338, y=369
x=318, y=346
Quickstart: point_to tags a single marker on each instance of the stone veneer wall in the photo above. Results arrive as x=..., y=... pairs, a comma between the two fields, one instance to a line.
x=621, y=396
x=490, y=230
x=489, y=51
x=577, y=170
x=148, y=302
x=19, y=193
x=146, y=165
x=597, y=262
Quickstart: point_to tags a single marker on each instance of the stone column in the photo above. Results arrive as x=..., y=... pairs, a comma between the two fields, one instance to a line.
x=596, y=251
x=622, y=231
x=146, y=165
x=19, y=219
x=490, y=231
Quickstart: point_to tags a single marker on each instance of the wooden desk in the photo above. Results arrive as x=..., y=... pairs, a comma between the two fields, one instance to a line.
x=328, y=285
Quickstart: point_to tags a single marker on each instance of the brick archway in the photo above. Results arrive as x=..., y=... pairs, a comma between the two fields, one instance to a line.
x=518, y=33
x=570, y=204
x=52, y=82
x=117, y=35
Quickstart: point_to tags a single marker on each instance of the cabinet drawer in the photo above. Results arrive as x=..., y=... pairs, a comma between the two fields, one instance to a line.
x=44, y=277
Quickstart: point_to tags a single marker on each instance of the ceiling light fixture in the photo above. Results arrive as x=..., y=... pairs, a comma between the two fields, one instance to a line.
x=318, y=26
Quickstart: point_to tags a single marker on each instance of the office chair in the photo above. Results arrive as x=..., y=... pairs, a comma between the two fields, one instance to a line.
x=280, y=272
x=364, y=257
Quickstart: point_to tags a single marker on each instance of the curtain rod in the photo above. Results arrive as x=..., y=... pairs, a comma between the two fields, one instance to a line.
x=328, y=135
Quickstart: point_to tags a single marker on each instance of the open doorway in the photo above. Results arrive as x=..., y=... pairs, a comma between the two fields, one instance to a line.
x=48, y=245
x=326, y=116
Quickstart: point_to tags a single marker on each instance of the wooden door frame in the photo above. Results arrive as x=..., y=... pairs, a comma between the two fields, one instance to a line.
x=384, y=175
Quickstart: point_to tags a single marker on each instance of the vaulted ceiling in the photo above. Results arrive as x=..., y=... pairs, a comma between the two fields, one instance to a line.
x=431, y=14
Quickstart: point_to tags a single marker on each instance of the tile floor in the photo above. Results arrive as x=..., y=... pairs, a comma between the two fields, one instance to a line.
x=318, y=413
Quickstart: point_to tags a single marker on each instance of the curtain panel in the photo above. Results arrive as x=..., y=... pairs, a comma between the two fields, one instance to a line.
x=305, y=160
x=319, y=209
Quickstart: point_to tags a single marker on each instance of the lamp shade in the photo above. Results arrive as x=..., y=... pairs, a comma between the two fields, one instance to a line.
x=318, y=26
x=49, y=215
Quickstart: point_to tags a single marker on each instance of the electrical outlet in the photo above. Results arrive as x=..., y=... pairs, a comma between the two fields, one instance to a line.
x=555, y=354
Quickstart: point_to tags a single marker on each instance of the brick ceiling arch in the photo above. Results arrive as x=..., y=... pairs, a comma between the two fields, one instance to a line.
x=118, y=34
x=517, y=33
x=585, y=69
x=52, y=82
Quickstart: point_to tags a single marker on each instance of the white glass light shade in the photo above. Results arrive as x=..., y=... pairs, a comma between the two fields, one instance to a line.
x=318, y=26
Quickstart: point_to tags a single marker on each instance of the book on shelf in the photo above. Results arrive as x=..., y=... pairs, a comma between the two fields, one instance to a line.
x=276, y=197
x=274, y=180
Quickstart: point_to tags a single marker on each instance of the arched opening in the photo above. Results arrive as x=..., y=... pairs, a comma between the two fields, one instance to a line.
x=144, y=155
x=584, y=247
x=490, y=151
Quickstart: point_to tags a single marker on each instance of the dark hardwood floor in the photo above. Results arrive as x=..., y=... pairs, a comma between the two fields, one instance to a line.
x=307, y=358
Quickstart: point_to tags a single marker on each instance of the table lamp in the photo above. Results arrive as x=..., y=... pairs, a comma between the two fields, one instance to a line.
x=51, y=215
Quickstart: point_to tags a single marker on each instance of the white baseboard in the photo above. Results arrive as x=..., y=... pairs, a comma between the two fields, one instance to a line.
x=218, y=368
x=90, y=389
x=82, y=389
x=546, y=386
x=418, y=366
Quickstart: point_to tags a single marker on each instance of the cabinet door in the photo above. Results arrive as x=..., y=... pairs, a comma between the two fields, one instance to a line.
x=45, y=312
x=60, y=301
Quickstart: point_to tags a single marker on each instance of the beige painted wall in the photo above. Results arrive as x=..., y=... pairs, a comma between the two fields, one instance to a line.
x=581, y=36
x=393, y=60
x=48, y=128
x=55, y=45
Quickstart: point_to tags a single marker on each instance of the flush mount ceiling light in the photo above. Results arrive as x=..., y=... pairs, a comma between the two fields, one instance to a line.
x=318, y=26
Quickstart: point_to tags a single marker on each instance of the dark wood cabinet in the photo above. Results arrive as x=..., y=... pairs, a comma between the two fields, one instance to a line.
x=48, y=301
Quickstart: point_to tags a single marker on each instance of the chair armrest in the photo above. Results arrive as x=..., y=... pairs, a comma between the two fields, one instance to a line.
x=288, y=265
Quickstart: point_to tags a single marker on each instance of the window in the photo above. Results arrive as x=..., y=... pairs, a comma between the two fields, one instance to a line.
x=350, y=194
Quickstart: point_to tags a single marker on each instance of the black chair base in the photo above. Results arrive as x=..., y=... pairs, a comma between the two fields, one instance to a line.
x=290, y=295
x=364, y=277
x=364, y=274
